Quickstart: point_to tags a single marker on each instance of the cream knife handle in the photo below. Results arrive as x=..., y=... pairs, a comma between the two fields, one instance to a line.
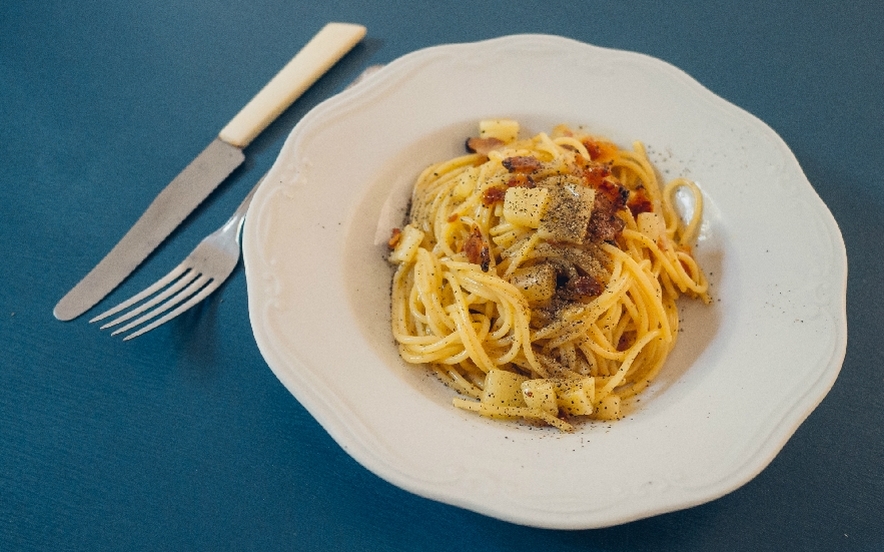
x=315, y=58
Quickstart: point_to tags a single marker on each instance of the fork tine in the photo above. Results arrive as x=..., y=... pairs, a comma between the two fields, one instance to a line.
x=218, y=254
x=142, y=295
x=173, y=287
x=192, y=286
x=203, y=293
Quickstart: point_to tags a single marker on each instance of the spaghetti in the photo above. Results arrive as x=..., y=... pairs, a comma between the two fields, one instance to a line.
x=538, y=277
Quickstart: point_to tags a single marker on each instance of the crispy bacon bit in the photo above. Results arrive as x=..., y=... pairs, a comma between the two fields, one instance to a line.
x=585, y=287
x=521, y=164
x=639, y=202
x=521, y=181
x=492, y=195
x=604, y=224
x=592, y=148
x=611, y=190
x=395, y=236
x=453, y=217
x=482, y=145
x=477, y=250
x=594, y=174
x=599, y=151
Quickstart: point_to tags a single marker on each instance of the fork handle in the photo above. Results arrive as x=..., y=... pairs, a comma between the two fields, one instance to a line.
x=235, y=222
x=244, y=206
x=315, y=58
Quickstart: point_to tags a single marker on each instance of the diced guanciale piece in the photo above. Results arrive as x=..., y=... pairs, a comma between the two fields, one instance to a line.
x=595, y=174
x=477, y=250
x=639, y=202
x=521, y=181
x=482, y=145
x=521, y=164
x=605, y=225
x=395, y=236
x=600, y=151
x=492, y=195
x=614, y=192
x=584, y=287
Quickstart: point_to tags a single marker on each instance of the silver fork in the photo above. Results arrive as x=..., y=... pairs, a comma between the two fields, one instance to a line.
x=201, y=273
x=198, y=275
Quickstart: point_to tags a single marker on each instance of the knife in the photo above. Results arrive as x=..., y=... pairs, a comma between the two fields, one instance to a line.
x=211, y=167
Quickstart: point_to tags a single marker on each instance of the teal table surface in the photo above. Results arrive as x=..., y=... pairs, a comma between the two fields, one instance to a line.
x=185, y=440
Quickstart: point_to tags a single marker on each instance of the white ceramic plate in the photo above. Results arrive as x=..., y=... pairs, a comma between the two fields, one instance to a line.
x=746, y=372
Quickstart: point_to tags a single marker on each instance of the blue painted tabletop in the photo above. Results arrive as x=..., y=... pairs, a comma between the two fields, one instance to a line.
x=185, y=440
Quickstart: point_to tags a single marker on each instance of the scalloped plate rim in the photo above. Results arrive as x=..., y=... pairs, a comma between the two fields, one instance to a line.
x=347, y=433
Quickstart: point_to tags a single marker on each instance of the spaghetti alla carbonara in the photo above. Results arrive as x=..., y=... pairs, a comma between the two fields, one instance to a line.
x=538, y=277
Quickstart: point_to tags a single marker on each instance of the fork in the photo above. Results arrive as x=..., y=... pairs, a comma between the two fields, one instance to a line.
x=198, y=275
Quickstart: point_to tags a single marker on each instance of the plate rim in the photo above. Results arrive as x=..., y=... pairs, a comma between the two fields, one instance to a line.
x=767, y=449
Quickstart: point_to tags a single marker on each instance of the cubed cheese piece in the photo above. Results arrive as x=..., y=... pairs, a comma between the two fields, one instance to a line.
x=505, y=130
x=651, y=225
x=540, y=394
x=537, y=283
x=502, y=389
x=575, y=397
x=409, y=242
x=466, y=184
x=525, y=206
x=608, y=408
x=566, y=218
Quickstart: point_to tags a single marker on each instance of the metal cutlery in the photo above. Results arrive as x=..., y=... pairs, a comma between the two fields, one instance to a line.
x=210, y=168
x=198, y=275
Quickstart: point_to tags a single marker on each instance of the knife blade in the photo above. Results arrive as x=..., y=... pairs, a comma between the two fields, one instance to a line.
x=214, y=164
